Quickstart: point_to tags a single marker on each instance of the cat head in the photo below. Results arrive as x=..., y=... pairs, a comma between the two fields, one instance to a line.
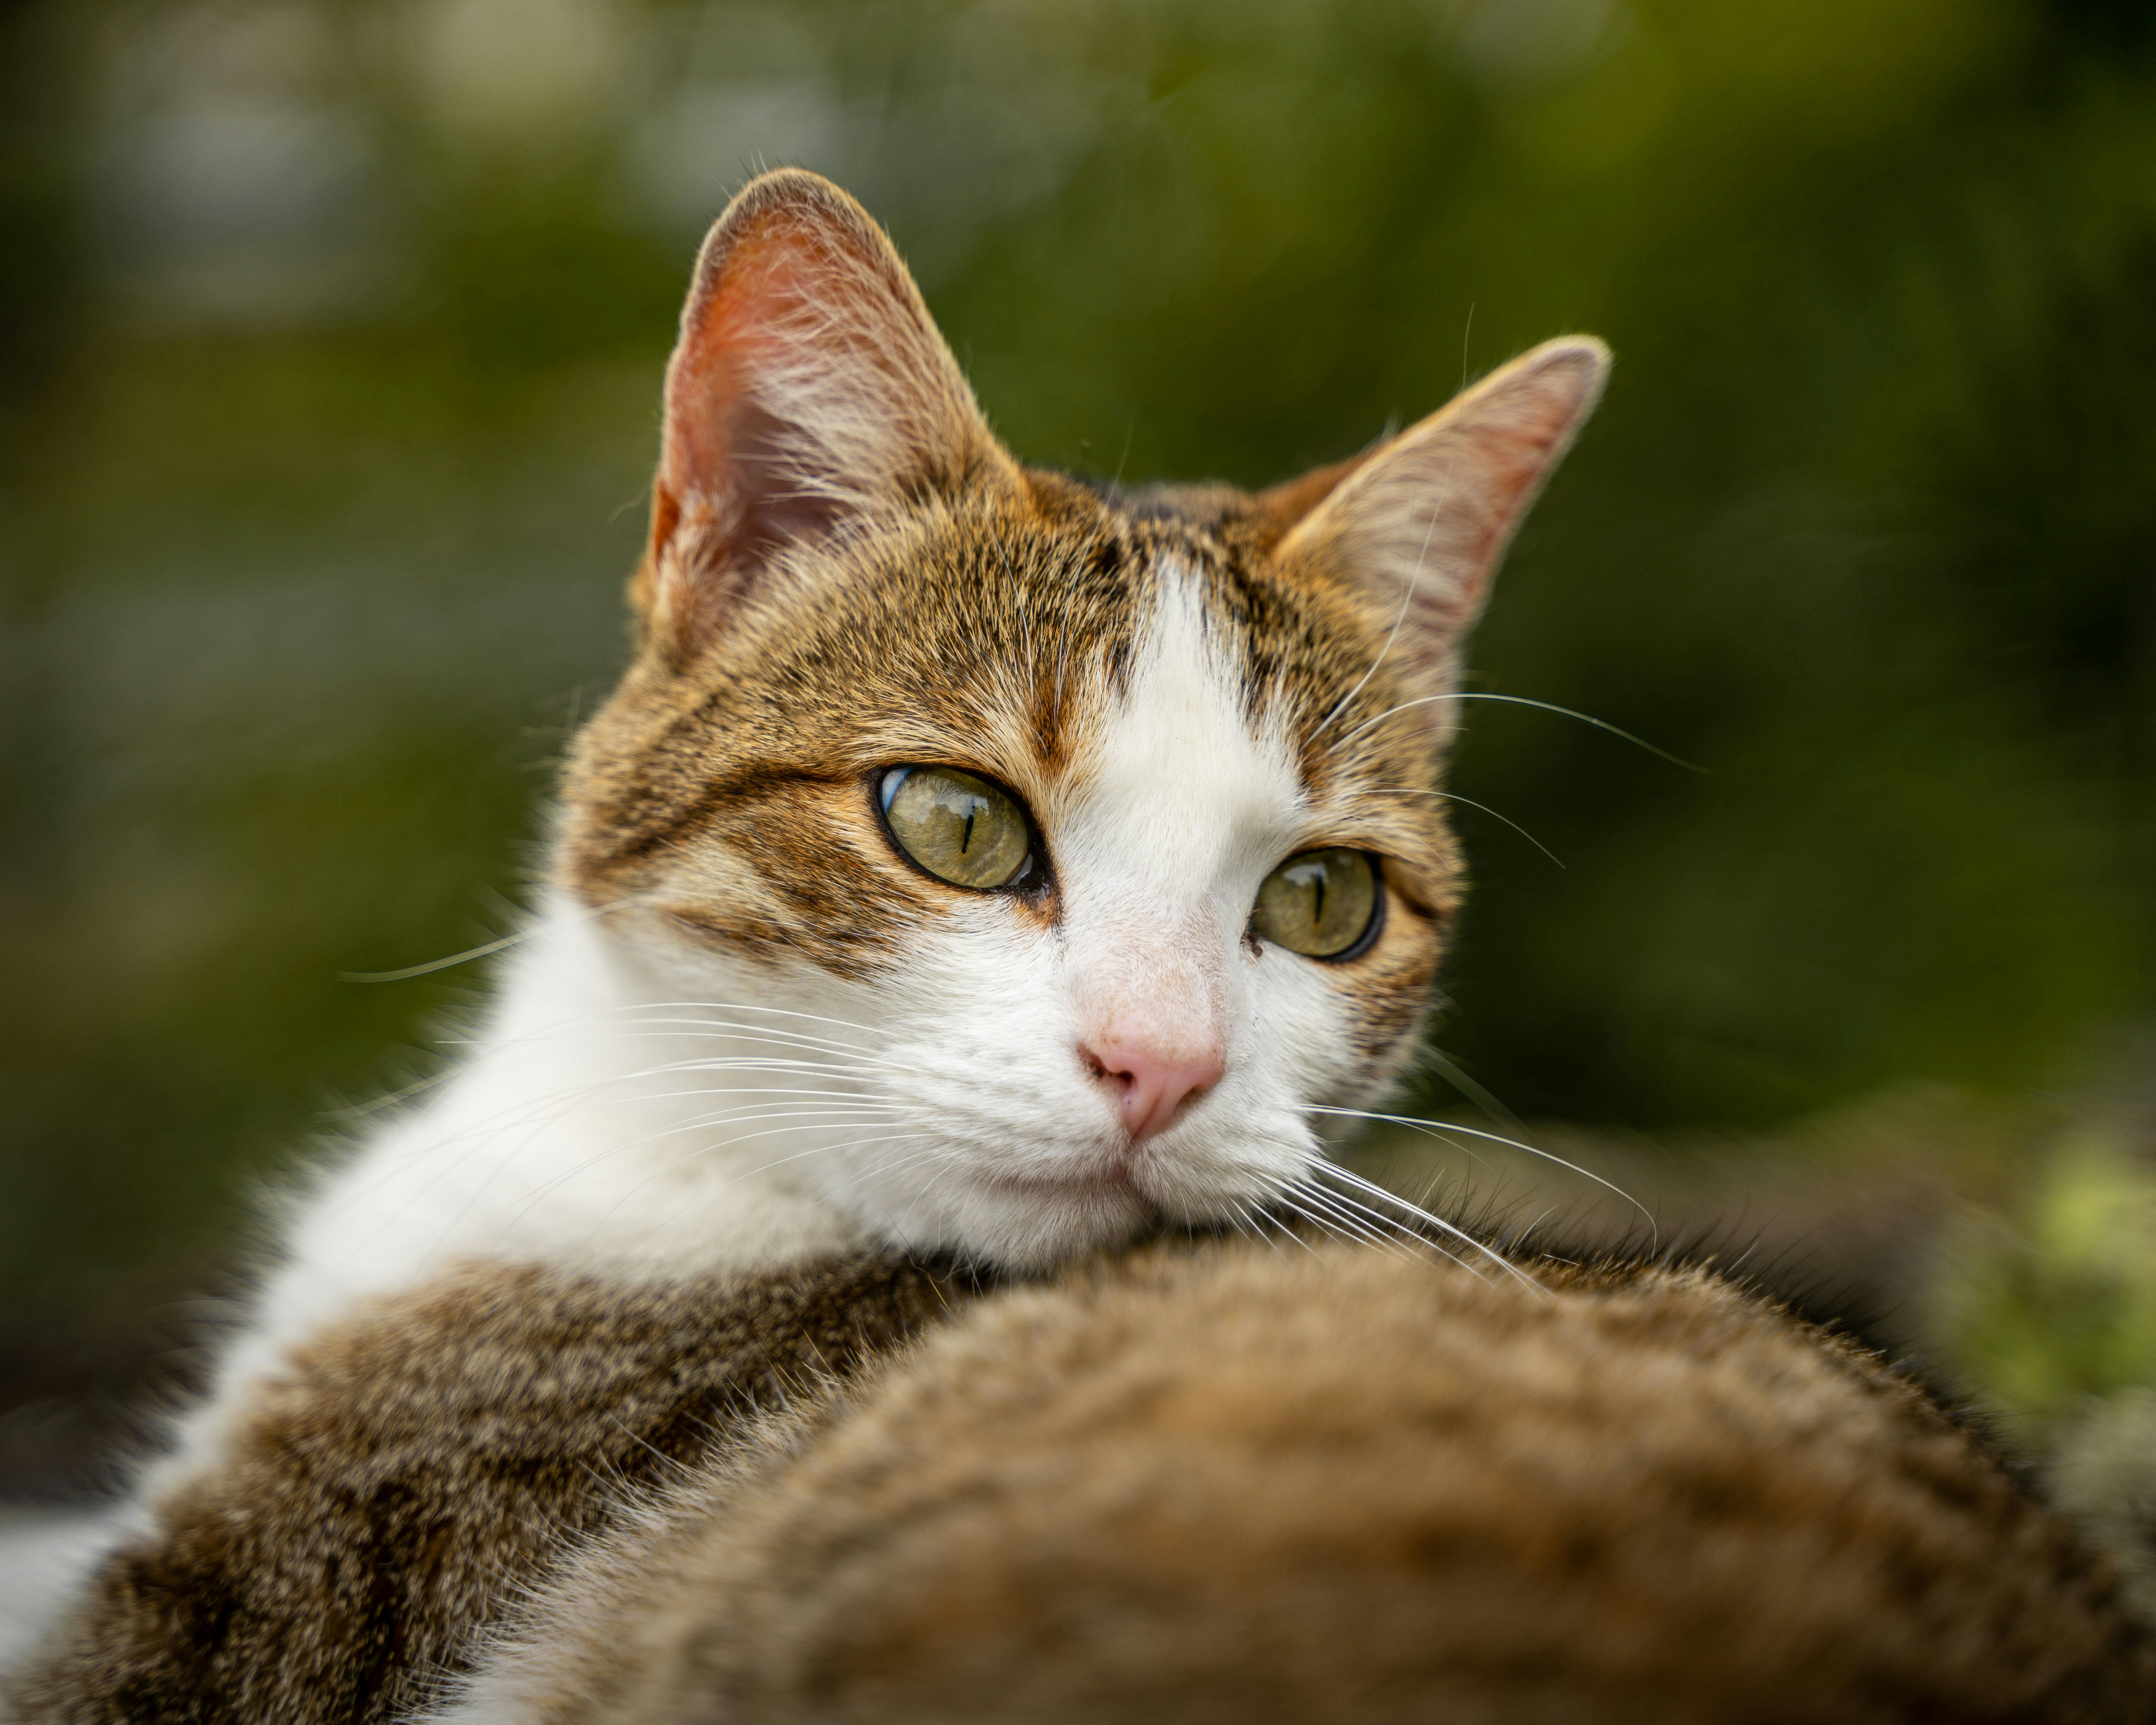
x=1090, y=832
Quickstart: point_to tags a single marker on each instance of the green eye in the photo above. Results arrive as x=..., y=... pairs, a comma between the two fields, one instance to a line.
x=1323, y=903
x=959, y=827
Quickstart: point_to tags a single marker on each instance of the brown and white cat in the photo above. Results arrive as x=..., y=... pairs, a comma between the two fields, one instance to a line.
x=775, y=1005
x=972, y=860
x=975, y=869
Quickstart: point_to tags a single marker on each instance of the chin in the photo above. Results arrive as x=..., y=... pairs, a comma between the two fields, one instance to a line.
x=1024, y=1223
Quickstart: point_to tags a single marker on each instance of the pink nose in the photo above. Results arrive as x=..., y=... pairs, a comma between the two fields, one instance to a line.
x=1154, y=1085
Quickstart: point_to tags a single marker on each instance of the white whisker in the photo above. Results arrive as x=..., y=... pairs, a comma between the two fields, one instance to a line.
x=852, y=1144
x=1461, y=1080
x=590, y=915
x=1520, y=700
x=1454, y=797
x=1438, y=1128
x=1333, y=1171
x=846, y=1116
x=575, y=1099
x=1358, y=1220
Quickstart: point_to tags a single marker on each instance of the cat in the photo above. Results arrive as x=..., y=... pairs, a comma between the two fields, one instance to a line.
x=978, y=869
x=972, y=860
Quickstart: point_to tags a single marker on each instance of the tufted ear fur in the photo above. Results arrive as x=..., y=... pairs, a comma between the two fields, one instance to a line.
x=1421, y=523
x=809, y=387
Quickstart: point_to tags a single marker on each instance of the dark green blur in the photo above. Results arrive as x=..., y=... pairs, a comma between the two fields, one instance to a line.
x=320, y=482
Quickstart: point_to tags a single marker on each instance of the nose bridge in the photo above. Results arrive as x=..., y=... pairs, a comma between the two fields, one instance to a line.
x=1150, y=998
x=1154, y=976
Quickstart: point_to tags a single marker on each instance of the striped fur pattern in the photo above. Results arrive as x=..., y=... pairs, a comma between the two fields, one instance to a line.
x=1274, y=1479
x=414, y=1469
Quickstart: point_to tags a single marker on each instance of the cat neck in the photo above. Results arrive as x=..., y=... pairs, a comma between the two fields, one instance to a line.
x=609, y=1119
x=591, y=1130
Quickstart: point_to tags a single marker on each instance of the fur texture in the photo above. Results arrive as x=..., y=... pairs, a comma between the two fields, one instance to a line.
x=414, y=1469
x=1257, y=1485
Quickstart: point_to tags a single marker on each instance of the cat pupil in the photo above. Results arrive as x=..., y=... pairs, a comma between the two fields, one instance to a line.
x=934, y=814
x=1325, y=925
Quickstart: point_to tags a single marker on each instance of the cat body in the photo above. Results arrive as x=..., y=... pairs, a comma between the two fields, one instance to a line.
x=1273, y=1478
x=1254, y=1482
x=414, y=1467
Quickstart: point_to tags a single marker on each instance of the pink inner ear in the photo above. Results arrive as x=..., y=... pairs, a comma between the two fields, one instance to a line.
x=729, y=335
x=1505, y=445
x=1526, y=441
x=1514, y=459
x=809, y=384
x=737, y=478
x=1427, y=516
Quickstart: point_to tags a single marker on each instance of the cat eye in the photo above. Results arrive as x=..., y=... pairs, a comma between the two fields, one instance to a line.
x=958, y=827
x=1323, y=904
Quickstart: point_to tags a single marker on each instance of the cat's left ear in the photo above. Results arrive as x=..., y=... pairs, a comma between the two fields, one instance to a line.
x=1418, y=525
x=809, y=386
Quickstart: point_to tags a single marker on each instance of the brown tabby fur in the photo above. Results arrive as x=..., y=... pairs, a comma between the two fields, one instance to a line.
x=1246, y=1482
x=1336, y=1485
x=421, y=1466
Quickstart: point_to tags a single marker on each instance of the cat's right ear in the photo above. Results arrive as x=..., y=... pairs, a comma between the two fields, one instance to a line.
x=809, y=386
x=1419, y=525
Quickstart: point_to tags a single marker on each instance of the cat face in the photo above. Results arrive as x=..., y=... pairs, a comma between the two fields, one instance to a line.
x=1091, y=836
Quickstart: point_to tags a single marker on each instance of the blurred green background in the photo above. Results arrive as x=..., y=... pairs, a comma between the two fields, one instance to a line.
x=329, y=346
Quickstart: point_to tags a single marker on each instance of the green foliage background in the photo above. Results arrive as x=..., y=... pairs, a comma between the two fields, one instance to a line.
x=315, y=512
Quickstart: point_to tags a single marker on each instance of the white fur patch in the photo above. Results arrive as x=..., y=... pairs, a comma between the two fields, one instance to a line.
x=44, y=1556
x=1160, y=838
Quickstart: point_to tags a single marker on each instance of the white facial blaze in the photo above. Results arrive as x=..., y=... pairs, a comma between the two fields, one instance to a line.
x=1181, y=812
